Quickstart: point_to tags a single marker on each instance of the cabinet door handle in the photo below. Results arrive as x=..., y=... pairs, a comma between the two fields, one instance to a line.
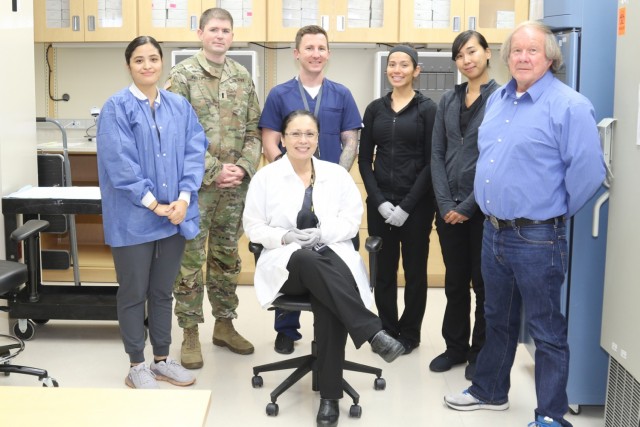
x=194, y=23
x=75, y=23
x=91, y=23
x=456, y=24
x=472, y=22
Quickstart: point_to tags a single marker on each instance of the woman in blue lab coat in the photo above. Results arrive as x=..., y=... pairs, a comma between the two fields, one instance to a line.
x=150, y=165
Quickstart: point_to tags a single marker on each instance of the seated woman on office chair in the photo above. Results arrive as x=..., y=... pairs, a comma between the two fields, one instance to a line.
x=305, y=211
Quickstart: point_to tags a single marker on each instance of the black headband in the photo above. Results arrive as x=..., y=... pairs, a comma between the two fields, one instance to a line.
x=408, y=50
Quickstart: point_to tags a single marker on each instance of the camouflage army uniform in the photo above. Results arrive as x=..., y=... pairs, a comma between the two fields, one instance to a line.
x=226, y=103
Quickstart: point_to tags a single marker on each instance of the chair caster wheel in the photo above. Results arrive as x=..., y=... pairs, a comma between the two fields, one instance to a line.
x=272, y=409
x=29, y=331
x=256, y=381
x=49, y=382
x=355, y=411
x=379, y=384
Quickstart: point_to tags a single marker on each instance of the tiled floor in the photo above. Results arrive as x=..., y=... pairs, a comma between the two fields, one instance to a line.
x=90, y=354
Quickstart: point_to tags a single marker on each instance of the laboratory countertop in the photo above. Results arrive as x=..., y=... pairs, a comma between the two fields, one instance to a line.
x=74, y=146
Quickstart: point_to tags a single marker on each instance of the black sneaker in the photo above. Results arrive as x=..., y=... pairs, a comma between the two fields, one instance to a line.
x=284, y=344
x=444, y=362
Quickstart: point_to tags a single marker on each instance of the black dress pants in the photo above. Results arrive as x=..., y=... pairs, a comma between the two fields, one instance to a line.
x=337, y=310
x=461, y=246
x=412, y=240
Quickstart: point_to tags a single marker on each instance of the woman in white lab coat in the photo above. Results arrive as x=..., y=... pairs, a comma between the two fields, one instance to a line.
x=305, y=211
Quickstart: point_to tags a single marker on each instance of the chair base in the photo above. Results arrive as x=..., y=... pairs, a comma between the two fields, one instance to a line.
x=307, y=364
x=9, y=351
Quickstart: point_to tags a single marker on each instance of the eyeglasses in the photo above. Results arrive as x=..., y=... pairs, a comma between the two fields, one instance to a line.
x=299, y=135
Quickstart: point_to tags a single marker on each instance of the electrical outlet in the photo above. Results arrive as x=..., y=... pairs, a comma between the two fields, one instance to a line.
x=75, y=124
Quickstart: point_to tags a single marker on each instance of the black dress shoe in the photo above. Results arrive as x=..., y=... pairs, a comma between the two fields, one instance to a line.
x=328, y=413
x=386, y=346
x=284, y=344
x=470, y=371
x=444, y=362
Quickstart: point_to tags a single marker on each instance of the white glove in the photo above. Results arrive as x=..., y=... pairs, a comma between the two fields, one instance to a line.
x=314, y=237
x=296, y=236
x=398, y=217
x=386, y=209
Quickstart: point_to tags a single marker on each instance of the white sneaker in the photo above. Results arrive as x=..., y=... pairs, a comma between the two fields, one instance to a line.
x=466, y=402
x=173, y=372
x=141, y=377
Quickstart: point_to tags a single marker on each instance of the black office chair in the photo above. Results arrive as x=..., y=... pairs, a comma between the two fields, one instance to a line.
x=12, y=276
x=306, y=364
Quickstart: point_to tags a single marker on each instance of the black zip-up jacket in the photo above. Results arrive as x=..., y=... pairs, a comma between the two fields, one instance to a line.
x=453, y=155
x=401, y=171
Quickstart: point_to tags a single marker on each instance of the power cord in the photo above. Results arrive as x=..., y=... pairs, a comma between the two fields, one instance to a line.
x=65, y=96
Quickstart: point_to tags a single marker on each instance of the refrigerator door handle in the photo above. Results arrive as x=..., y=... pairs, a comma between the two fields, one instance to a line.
x=595, y=229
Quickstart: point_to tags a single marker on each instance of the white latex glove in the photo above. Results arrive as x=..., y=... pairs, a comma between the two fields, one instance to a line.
x=314, y=237
x=296, y=236
x=398, y=217
x=386, y=209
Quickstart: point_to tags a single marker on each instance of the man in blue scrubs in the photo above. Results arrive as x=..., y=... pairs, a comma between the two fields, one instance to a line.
x=337, y=113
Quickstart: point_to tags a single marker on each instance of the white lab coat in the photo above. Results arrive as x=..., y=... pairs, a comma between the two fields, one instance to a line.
x=273, y=201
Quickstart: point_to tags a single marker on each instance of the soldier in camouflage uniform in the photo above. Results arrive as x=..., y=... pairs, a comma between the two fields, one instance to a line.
x=224, y=98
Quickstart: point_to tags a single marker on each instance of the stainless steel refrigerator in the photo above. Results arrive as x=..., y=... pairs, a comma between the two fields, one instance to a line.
x=621, y=314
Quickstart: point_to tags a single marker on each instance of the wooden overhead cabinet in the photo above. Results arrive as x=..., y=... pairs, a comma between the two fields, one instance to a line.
x=440, y=21
x=175, y=21
x=357, y=21
x=84, y=20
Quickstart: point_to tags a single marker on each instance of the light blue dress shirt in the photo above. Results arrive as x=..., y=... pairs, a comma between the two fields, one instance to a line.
x=146, y=154
x=540, y=154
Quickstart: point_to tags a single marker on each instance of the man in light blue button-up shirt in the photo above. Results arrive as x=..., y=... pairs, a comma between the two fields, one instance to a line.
x=540, y=162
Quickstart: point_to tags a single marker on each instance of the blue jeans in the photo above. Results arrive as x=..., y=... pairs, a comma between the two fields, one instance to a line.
x=524, y=267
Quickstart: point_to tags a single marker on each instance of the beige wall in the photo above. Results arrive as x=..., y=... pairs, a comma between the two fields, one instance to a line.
x=91, y=73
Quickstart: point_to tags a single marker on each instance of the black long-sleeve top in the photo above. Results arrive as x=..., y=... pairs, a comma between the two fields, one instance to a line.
x=401, y=171
x=454, y=154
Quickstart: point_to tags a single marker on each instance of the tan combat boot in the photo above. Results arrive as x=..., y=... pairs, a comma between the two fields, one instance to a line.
x=225, y=335
x=190, y=353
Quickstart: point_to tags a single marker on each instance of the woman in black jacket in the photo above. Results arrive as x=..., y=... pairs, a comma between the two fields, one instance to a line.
x=459, y=221
x=400, y=201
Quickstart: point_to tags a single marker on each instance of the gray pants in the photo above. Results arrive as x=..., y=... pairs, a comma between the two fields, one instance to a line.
x=145, y=274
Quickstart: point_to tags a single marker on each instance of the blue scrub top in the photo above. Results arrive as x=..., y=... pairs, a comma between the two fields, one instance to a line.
x=338, y=113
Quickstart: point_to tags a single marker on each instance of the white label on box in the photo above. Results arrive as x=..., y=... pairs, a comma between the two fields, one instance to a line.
x=288, y=14
x=291, y=4
x=422, y=4
x=157, y=14
x=359, y=4
x=423, y=15
x=291, y=23
x=309, y=4
x=176, y=4
x=359, y=14
x=506, y=19
x=440, y=24
x=175, y=23
x=180, y=14
x=422, y=24
x=309, y=14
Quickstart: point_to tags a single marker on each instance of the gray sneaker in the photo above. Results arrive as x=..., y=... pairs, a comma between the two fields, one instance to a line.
x=172, y=372
x=141, y=377
x=466, y=402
